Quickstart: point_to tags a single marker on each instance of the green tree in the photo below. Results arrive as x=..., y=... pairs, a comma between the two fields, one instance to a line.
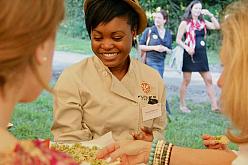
x=74, y=24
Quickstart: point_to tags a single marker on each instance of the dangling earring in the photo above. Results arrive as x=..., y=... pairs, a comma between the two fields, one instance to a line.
x=44, y=58
x=135, y=42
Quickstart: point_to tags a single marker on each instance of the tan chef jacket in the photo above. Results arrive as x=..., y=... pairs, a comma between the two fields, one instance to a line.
x=90, y=101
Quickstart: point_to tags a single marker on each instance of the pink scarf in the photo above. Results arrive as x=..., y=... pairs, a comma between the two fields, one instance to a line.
x=190, y=31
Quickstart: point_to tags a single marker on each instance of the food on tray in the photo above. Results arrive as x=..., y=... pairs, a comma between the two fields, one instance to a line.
x=79, y=153
x=221, y=139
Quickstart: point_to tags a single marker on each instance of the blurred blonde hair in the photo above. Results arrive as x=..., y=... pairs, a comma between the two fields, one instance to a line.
x=24, y=25
x=234, y=56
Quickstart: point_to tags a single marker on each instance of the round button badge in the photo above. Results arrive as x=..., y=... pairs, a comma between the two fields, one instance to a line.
x=202, y=43
x=154, y=36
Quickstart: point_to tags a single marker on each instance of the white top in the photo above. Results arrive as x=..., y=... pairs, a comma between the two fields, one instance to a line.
x=242, y=155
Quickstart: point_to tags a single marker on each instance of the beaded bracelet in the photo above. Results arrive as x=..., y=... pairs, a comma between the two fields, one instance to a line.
x=157, y=154
x=164, y=153
x=168, y=154
x=152, y=152
x=160, y=153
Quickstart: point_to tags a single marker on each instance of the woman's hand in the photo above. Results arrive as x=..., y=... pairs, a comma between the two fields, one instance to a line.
x=145, y=134
x=161, y=48
x=214, y=23
x=130, y=152
x=211, y=143
x=206, y=12
x=191, y=51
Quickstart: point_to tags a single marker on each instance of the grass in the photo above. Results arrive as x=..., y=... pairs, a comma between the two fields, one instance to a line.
x=76, y=45
x=35, y=119
x=187, y=129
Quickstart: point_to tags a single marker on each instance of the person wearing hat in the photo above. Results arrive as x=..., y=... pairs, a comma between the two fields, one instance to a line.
x=110, y=91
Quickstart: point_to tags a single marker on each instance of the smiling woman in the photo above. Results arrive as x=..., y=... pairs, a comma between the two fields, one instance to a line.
x=112, y=47
x=110, y=91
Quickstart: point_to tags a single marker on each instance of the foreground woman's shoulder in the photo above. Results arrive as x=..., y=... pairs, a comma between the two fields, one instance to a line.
x=34, y=152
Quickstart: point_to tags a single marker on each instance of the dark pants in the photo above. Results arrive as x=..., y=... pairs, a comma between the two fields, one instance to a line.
x=159, y=66
x=167, y=107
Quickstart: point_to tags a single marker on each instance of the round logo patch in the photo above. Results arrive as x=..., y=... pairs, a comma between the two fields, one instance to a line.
x=202, y=43
x=146, y=88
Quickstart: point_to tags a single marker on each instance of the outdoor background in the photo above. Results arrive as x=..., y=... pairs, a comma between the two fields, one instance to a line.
x=34, y=120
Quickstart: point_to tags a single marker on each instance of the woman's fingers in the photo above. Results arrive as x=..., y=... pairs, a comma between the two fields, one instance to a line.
x=138, y=135
x=207, y=137
x=147, y=130
x=145, y=134
x=106, y=151
x=213, y=144
x=129, y=152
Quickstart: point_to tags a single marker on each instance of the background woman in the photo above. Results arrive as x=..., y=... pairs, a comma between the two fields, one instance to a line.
x=160, y=43
x=27, y=39
x=110, y=91
x=234, y=101
x=194, y=28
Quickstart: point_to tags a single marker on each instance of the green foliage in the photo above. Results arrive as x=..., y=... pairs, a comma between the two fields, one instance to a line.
x=176, y=10
x=74, y=25
x=213, y=40
x=213, y=57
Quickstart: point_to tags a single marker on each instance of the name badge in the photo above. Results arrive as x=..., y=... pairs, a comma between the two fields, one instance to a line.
x=151, y=111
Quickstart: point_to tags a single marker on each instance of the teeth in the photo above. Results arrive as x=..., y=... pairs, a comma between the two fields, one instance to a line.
x=109, y=54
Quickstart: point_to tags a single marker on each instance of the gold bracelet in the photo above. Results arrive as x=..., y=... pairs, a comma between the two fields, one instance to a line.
x=161, y=153
x=166, y=145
